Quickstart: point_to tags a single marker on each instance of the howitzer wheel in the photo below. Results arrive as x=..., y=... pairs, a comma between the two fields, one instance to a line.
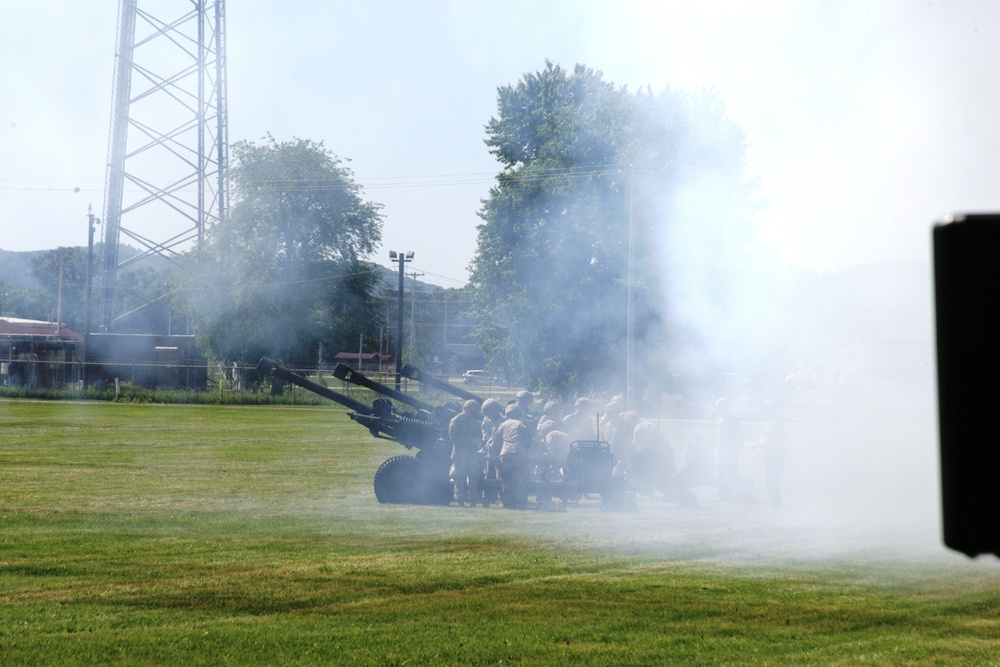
x=398, y=481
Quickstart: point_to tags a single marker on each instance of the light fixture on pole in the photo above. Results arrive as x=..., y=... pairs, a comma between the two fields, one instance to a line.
x=401, y=259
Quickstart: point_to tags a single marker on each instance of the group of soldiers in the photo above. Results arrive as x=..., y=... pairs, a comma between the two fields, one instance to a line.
x=492, y=442
x=730, y=444
x=493, y=445
x=513, y=446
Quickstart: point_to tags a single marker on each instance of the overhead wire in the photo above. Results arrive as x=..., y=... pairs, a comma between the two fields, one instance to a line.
x=520, y=174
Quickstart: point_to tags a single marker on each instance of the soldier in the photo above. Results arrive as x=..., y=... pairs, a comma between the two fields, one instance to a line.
x=556, y=450
x=514, y=466
x=653, y=466
x=621, y=439
x=519, y=409
x=728, y=447
x=492, y=418
x=611, y=433
x=579, y=424
x=465, y=431
x=771, y=448
x=609, y=424
x=551, y=419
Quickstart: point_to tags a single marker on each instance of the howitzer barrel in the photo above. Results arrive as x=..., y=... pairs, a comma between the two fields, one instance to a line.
x=414, y=373
x=273, y=368
x=348, y=374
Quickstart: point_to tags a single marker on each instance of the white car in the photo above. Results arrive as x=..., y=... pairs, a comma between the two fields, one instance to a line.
x=478, y=377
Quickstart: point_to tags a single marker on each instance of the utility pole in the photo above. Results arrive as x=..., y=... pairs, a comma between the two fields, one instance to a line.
x=401, y=259
x=413, y=308
x=91, y=221
x=62, y=268
x=630, y=297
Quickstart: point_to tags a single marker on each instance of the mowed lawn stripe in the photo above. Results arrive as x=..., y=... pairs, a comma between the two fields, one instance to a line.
x=236, y=535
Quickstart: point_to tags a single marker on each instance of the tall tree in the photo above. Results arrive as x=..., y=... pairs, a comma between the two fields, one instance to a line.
x=30, y=303
x=694, y=207
x=283, y=272
x=62, y=271
x=584, y=164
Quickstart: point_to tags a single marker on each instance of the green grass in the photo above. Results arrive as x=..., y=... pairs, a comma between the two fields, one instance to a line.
x=164, y=534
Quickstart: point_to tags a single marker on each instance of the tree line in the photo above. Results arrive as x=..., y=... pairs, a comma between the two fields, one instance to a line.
x=610, y=209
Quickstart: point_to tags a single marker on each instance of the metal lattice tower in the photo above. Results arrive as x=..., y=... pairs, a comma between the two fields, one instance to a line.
x=168, y=151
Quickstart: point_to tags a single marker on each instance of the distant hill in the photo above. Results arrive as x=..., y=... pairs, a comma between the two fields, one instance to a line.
x=15, y=267
x=887, y=299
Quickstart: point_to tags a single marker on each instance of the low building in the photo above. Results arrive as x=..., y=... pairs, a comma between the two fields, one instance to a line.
x=366, y=362
x=35, y=353
x=149, y=360
x=463, y=357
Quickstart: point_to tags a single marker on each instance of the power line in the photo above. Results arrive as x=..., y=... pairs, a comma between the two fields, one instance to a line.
x=387, y=182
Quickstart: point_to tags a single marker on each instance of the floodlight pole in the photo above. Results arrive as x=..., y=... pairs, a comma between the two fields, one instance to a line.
x=91, y=221
x=630, y=298
x=401, y=259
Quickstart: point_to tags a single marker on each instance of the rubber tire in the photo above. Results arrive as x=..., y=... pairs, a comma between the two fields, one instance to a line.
x=398, y=481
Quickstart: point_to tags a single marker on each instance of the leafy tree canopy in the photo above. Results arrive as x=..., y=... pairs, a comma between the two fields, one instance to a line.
x=283, y=273
x=62, y=269
x=583, y=163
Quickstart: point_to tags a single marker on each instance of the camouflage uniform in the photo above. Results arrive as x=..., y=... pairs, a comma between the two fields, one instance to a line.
x=492, y=418
x=728, y=446
x=772, y=451
x=465, y=431
x=514, y=467
x=580, y=424
x=519, y=409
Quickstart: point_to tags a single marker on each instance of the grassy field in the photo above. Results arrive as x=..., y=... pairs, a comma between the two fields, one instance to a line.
x=165, y=534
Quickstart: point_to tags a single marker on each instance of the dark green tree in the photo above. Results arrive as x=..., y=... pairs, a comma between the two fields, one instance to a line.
x=65, y=269
x=31, y=303
x=548, y=274
x=283, y=273
x=710, y=285
x=583, y=163
x=144, y=296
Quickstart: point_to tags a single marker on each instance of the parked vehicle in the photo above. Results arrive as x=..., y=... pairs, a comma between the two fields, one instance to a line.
x=478, y=377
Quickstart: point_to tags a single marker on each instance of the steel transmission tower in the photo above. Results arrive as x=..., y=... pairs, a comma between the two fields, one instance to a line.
x=168, y=150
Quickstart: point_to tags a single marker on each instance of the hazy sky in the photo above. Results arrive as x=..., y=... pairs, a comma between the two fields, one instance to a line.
x=865, y=120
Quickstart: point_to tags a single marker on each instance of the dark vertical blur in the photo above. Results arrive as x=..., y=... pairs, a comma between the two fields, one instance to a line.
x=967, y=296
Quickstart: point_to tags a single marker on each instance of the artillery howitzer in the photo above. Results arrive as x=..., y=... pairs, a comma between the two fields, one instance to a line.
x=418, y=479
x=423, y=478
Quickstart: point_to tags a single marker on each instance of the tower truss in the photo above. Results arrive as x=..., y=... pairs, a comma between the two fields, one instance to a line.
x=168, y=149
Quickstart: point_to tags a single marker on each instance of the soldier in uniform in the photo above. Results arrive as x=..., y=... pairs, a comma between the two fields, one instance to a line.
x=514, y=466
x=465, y=431
x=621, y=439
x=556, y=450
x=492, y=418
x=551, y=419
x=653, y=466
x=519, y=409
x=579, y=424
x=771, y=448
x=728, y=447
